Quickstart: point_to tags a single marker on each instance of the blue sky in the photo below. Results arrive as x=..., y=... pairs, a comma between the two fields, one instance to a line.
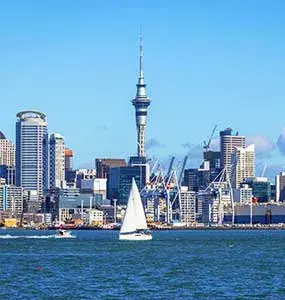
x=206, y=63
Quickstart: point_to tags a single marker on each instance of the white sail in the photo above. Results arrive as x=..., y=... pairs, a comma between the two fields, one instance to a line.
x=134, y=218
x=139, y=211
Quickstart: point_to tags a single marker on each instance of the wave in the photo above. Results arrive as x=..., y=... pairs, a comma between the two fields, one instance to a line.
x=9, y=236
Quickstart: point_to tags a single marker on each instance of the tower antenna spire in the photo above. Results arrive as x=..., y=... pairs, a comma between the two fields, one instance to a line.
x=141, y=77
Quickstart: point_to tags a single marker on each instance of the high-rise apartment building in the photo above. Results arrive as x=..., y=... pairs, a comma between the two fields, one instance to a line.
x=31, y=131
x=243, y=165
x=7, y=152
x=188, y=206
x=68, y=154
x=229, y=141
x=11, y=199
x=56, y=161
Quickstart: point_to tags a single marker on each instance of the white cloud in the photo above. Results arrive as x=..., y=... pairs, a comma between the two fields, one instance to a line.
x=153, y=143
x=262, y=144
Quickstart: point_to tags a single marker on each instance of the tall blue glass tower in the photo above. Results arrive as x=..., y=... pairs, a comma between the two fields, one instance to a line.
x=31, y=132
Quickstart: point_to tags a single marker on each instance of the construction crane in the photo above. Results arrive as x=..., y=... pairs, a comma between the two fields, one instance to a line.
x=207, y=145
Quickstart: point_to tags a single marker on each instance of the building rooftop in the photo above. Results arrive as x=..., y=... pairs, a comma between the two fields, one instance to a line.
x=26, y=114
x=68, y=152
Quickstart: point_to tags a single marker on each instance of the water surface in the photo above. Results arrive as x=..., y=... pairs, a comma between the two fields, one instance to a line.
x=174, y=265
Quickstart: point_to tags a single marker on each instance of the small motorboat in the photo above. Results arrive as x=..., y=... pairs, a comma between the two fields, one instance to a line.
x=61, y=233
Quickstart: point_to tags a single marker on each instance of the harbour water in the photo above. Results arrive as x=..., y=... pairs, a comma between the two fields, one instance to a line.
x=220, y=264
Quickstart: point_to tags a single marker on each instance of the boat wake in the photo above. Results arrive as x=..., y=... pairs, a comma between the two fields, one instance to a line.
x=53, y=236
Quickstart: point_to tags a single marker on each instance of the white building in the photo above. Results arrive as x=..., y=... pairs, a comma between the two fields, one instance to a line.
x=243, y=164
x=95, y=186
x=33, y=200
x=188, y=206
x=96, y=217
x=56, y=161
x=7, y=151
x=11, y=199
x=280, y=187
x=84, y=174
x=243, y=195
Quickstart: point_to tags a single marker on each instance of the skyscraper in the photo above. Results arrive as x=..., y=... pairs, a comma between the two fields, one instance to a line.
x=243, y=165
x=7, y=152
x=141, y=103
x=68, y=154
x=56, y=161
x=7, y=160
x=229, y=141
x=31, y=131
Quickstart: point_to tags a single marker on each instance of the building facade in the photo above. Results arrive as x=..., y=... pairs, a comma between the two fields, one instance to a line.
x=84, y=174
x=7, y=152
x=96, y=217
x=96, y=186
x=68, y=157
x=214, y=157
x=261, y=188
x=280, y=187
x=243, y=165
x=31, y=131
x=191, y=179
x=120, y=181
x=188, y=207
x=103, y=166
x=8, y=174
x=243, y=195
x=56, y=161
x=11, y=199
x=229, y=141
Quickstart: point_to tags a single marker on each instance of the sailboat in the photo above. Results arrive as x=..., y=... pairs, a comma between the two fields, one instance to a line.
x=134, y=226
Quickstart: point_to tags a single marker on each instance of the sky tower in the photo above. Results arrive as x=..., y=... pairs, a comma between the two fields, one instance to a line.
x=141, y=103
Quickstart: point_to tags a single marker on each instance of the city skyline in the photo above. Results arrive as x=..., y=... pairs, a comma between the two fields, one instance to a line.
x=201, y=70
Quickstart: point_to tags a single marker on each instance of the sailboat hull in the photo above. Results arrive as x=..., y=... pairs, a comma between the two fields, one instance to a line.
x=135, y=237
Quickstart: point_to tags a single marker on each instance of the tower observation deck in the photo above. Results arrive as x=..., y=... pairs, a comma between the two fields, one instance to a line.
x=141, y=103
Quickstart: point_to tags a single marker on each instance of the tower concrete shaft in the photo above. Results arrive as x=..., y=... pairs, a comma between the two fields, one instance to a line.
x=141, y=103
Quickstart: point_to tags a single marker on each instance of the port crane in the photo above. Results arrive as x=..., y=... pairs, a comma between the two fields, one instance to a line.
x=167, y=186
x=221, y=187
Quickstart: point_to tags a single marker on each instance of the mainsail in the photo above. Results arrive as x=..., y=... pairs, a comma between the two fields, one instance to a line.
x=134, y=218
